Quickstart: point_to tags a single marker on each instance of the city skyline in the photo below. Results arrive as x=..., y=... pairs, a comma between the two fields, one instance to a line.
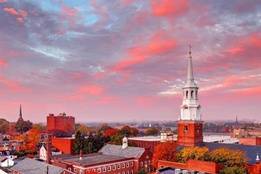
x=127, y=59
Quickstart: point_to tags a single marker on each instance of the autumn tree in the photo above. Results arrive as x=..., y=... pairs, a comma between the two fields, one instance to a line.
x=128, y=131
x=152, y=131
x=164, y=151
x=4, y=126
x=232, y=160
x=110, y=132
x=39, y=126
x=195, y=153
x=83, y=129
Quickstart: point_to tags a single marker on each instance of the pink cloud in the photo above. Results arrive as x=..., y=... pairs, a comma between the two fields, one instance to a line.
x=11, y=84
x=69, y=14
x=91, y=90
x=158, y=44
x=3, y=63
x=2, y=1
x=168, y=7
x=19, y=14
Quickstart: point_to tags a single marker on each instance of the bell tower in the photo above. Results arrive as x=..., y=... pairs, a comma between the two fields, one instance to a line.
x=190, y=126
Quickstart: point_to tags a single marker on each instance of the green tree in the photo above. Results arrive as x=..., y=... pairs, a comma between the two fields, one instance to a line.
x=23, y=126
x=233, y=170
x=78, y=142
x=142, y=171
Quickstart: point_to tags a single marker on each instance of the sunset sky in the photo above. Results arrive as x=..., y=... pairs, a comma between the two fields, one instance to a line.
x=116, y=60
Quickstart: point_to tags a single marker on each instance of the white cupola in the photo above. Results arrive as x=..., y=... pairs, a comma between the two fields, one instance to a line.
x=124, y=142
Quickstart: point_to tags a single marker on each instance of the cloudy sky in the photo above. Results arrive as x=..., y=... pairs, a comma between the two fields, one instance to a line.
x=116, y=60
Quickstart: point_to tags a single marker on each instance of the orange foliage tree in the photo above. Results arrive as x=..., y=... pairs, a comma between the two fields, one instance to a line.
x=30, y=139
x=164, y=151
x=110, y=132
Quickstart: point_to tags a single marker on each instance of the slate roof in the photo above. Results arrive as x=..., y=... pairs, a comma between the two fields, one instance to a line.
x=92, y=159
x=31, y=166
x=250, y=151
x=117, y=150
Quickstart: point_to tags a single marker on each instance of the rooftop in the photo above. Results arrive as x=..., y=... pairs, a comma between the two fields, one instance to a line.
x=91, y=159
x=31, y=166
x=117, y=150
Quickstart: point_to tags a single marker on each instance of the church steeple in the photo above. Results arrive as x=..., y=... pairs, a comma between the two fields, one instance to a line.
x=190, y=109
x=190, y=76
x=190, y=126
x=20, y=112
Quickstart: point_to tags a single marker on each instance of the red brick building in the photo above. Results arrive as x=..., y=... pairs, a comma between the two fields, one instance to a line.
x=63, y=144
x=250, y=141
x=110, y=159
x=61, y=125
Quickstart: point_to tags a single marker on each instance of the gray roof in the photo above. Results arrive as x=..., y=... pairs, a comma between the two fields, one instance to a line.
x=92, y=159
x=117, y=150
x=250, y=151
x=31, y=166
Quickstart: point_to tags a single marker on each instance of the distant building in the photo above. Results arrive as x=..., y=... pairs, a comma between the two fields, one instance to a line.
x=61, y=125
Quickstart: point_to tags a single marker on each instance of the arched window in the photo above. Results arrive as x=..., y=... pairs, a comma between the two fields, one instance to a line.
x=186, y=94
x=192, y=92
x=196, y=96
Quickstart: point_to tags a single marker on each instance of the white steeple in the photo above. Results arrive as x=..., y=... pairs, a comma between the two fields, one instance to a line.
x=190, y=108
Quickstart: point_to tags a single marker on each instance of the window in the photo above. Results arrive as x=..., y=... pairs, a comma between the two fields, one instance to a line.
x=123, y=165
x=109, y=168
x=131, y=163
x=104, y=169
x=113, y=167
x=118, y=166
x=192, y=92
x=186, y=94
x=127, y=165
x=99, y=170
x=186, y=129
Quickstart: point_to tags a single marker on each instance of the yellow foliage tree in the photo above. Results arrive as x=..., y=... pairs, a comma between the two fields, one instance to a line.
x=195, y=153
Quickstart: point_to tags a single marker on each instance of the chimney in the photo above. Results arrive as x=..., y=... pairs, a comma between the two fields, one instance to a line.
x=81, y=154
x=124, y=142
x=257, y=158
x=48, y=148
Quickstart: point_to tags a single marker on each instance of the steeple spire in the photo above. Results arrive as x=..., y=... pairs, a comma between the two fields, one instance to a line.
x=190, y=76
x=20, y=112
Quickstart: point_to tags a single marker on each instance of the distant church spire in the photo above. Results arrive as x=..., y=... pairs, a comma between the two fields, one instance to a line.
x=20, y=112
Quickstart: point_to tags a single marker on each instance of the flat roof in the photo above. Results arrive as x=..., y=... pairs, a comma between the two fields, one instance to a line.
x=90, y=159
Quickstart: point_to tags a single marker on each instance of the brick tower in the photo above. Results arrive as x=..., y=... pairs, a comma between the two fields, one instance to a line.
x=190, y=125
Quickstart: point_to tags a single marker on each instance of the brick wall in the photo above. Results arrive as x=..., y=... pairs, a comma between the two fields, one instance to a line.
x=193, y=165
x=64, y=145
x=250, y=141
x=61, y=123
